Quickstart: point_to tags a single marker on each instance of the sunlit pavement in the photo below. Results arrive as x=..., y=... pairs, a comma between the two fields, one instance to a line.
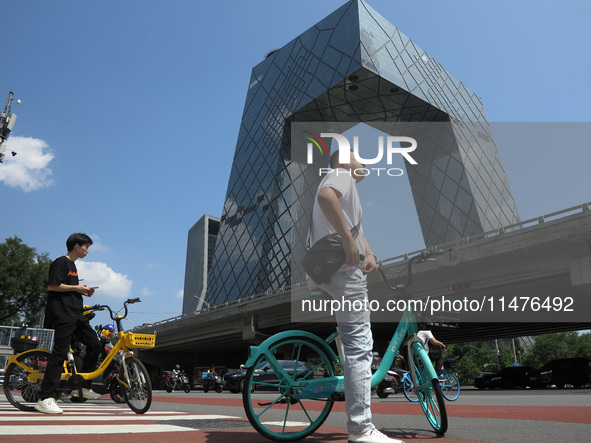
x=483, y=416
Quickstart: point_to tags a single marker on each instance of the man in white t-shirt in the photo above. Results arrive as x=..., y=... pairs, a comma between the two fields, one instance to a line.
x=435, y=354
x=337, y=209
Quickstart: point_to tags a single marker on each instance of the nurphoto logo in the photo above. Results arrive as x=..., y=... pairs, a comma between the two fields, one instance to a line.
x=393, y=145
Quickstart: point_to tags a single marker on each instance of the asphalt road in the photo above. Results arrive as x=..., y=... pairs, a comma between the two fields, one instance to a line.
x=477, y=416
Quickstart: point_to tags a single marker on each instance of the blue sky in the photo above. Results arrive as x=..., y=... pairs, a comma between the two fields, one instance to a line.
x=130, y=114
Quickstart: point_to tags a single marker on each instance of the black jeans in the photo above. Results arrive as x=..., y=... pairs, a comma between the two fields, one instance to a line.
x=61, y=346
x=437, y=356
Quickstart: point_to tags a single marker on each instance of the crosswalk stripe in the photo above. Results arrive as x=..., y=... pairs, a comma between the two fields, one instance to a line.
x=66, y=417
x=109, y=412
x=88, y=429
x=287, y=423
x=96, y=408
x=88, y=419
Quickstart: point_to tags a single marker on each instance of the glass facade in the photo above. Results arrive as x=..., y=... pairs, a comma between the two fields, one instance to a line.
x=353, y=66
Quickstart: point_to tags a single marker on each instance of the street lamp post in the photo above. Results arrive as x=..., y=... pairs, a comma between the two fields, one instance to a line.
x=202, y=301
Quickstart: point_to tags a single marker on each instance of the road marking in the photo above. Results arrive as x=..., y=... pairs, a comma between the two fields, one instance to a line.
x=88, y=429
x=90, y=411
x=66, y=417
x=89, y=419
x=287, y=423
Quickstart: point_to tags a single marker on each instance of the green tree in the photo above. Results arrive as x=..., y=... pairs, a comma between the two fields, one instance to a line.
x=23, y=283
x=471, y=358
x=583, y=346
x=558, y=345
x=505, y=355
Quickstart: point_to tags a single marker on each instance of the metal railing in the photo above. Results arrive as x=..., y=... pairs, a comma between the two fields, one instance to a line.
x=44, y=339
x=495, y=232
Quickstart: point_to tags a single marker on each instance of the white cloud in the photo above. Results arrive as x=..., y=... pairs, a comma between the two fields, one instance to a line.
x=180, y=293
x=97, y=245
x=147, y=292
x=29, y=169
x=111, y=284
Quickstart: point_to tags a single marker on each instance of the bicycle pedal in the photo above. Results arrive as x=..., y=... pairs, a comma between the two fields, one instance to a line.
x=338, y=396
x=283, y=401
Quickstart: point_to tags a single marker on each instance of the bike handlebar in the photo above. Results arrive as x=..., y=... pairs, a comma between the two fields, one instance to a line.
x=113, y=316
x=420, y=258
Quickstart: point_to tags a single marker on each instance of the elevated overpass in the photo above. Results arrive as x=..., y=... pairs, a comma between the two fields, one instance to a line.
x=548, y=258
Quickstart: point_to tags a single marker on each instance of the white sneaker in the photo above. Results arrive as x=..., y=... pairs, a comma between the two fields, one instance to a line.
x=87, y=393
x=372, y=436
x=48, y=406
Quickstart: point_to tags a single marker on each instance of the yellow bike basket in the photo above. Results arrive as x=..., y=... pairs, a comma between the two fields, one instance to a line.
x=140, y=340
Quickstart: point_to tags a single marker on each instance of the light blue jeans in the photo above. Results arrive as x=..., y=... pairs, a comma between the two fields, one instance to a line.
x=355, y=332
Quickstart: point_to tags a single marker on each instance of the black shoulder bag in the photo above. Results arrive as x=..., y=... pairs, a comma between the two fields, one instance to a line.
x=326, y=256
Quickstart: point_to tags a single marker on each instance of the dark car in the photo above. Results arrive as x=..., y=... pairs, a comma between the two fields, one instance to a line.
x=482, y=380
x=565, y=371
x=234, y=381
x=507, y=378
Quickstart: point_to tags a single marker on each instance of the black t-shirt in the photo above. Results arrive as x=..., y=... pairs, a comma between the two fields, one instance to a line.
x=63, y=307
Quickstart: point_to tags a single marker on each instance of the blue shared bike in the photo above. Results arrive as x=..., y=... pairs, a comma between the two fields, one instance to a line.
x=450, y=386
x=305, y=388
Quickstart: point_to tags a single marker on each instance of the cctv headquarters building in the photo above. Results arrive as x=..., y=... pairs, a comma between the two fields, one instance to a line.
x=351, y=67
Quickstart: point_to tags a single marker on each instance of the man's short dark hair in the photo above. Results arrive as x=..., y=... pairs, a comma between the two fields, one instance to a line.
x=77, y=239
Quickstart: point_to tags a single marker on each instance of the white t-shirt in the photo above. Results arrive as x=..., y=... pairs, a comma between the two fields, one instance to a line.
x=341, y=180
x=425, y=336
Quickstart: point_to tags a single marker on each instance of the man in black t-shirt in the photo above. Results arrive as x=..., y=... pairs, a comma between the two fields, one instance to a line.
x=64, y=314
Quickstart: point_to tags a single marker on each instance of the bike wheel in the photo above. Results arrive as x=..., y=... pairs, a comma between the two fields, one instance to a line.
x=408, y=388
x=283, y=417
x=429, y=392
x=136, y=387
x=115, y=392
x=252, y=388
x=187, y=389
x=450, y=388
x=380, y=391
x=20, y=389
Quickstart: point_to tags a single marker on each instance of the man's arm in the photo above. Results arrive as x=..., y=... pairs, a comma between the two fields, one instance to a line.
x=57, y=274
x=437, y=343
x=328, y=200
x=82, y=289
x=370, y=265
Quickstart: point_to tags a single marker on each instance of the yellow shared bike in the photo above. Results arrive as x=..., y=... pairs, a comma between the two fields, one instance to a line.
x=24, y=372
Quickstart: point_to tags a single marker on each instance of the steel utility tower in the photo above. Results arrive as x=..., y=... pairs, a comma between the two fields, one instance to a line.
x=7, y=120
